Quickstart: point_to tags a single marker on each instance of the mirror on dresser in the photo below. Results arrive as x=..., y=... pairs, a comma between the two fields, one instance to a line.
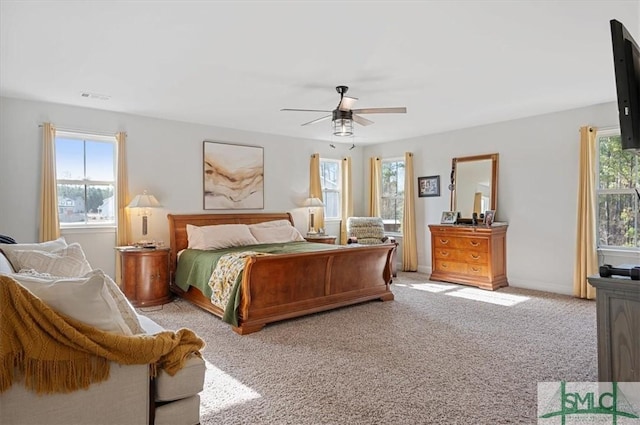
x=474, y=187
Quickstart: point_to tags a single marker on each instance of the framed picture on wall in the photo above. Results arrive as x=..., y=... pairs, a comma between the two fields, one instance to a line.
x=233, y=176
x=428, y=186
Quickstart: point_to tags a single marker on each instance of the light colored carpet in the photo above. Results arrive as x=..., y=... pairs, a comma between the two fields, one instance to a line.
x=439, y=354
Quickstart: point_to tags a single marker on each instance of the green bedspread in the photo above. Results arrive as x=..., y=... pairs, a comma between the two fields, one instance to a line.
x=195, y=268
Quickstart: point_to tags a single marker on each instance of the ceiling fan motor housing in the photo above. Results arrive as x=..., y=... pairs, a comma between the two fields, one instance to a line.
x=345, y=115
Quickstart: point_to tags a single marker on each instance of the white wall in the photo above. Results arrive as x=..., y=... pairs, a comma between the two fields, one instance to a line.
x=164, y=157
x=537, y=188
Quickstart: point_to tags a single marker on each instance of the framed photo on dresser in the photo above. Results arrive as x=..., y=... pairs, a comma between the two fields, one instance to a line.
x=449, y=217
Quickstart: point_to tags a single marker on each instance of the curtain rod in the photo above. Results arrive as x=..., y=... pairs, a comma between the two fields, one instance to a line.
x=610, y=128
x=77, y=130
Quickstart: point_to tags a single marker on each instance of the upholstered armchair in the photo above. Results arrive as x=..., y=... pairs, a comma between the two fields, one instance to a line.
x=370, y=231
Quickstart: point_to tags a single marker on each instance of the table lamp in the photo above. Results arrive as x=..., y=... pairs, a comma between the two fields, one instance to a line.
x=312, y=203
x=144, y=203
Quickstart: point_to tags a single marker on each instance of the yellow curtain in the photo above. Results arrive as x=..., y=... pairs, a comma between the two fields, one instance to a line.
x=347, y=199
x=586, y=255
x=409, y=243
x=375, y=179
x=122, y=231
x=49, y=220
x=315, y=188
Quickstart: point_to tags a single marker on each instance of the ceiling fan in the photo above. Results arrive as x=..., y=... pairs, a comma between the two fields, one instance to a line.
x=343, y=116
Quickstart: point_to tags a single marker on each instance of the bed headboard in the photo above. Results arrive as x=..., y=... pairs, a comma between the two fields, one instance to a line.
x=178, y=227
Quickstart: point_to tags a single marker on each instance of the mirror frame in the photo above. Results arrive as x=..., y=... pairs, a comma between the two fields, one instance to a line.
x=494, y=180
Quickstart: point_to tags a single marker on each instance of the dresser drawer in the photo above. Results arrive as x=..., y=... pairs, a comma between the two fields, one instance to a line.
x=446, y=254
x=473, y=257
x=450, y=267
x=446, y=241
x=476, y=244
x=477, y=270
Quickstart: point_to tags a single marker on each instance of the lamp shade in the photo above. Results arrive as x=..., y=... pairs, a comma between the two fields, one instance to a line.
x=313, y=202
x=145, y=200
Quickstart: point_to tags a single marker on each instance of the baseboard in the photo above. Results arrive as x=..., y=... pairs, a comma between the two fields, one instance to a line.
x=555, y=288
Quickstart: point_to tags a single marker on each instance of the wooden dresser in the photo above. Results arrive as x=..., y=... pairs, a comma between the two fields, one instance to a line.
x=471, y=255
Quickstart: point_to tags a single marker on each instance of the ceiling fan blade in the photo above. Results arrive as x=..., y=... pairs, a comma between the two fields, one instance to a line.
x=395, y=110
x=305, y=110
x=318, y=120
x=360, y=120
x=347, y=103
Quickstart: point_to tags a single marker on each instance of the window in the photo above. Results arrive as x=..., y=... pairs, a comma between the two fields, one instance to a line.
x=85, y=173
x=331, y=185
x=618, y=205
x=392, y=202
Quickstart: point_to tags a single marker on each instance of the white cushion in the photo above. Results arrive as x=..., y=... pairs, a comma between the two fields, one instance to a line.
x=272, y=223
x=279, y=234
x=219, y=236
x=69, y=261
x=125, y=308
x=83, y=298
x=49, y=246
x=180, y=412
x=186, y=382
x=5, y=265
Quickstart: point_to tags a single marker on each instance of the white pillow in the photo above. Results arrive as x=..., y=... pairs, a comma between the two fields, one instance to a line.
x=219, y=236
x=5, y=265
x=124, y=306
x=48, y=246
x=69, y=261
x=86, y=299
x=272, y=223
x=278, y=234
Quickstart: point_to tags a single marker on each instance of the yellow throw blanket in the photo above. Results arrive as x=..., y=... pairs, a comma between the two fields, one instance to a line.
x=56, y=353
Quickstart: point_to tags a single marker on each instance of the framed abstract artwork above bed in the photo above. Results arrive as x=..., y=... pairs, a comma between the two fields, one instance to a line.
x=233, y=176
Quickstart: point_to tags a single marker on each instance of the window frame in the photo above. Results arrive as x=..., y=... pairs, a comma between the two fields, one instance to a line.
x=607, y=133
x=382, y=196
x=338, y=191
x=91, y=137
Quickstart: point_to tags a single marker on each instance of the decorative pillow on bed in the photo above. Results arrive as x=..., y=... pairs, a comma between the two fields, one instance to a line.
x=219, y=236
x=69, y=261
x=84, y=298
x=272, y=223
x=277, y=234
x=48, y=246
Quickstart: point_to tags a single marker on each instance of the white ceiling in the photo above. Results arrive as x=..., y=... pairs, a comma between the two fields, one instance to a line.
x=453, y=64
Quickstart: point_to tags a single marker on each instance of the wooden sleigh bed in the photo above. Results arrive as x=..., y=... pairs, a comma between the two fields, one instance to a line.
x=283, y=286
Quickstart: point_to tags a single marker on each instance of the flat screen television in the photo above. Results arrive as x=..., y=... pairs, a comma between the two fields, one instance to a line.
x=626, y=60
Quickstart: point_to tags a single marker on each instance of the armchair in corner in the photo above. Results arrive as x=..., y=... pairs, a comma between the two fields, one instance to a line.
x=370, y=231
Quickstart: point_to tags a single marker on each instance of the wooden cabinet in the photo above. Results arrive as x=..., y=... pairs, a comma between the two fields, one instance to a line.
x=618, y=324
x=331, y=240
x=471, y=255
x=145, y=275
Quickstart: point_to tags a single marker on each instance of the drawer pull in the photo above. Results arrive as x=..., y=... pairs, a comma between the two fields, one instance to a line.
x=473, y=269
x=475, y=257
x=444, y=266
x=444, y=241
x=474, y=243
x=444, y=253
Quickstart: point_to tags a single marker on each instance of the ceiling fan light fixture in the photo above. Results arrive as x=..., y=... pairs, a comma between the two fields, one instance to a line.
x=343, y=127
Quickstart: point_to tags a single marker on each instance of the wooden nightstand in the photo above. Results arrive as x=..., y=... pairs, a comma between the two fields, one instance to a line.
x=331, y=240
x=144, y=275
